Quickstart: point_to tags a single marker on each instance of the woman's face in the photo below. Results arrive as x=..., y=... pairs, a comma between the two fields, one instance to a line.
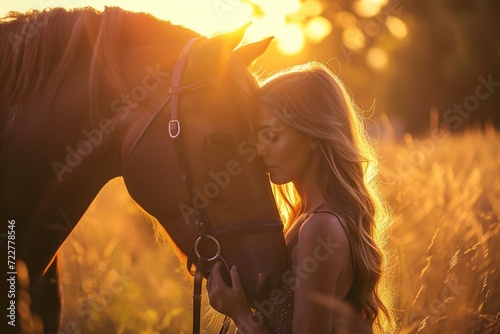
x=285, y=151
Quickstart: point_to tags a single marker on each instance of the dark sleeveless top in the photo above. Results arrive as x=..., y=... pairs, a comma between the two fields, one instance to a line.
x=279, y=318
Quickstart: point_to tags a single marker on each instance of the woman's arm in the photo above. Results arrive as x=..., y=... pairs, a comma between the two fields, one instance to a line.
x=323, y=273
x=232, y=301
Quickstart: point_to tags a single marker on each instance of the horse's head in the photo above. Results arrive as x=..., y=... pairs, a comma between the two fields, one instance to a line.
x=210, y=174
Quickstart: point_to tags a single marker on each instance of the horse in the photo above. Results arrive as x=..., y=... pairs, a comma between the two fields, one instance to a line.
x=90, y=95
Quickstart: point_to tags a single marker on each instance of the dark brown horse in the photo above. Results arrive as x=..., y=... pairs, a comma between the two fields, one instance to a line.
x=88, y=96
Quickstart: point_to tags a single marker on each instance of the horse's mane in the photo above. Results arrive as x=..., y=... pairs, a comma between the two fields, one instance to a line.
x=37, y=49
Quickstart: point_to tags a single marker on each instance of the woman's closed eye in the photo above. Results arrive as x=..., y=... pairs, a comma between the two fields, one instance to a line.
x=267, y=135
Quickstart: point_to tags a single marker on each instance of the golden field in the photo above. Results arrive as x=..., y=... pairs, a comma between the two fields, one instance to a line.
x=444, y=191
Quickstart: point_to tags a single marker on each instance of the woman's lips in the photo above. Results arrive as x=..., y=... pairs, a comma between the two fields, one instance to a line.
x=269, y=168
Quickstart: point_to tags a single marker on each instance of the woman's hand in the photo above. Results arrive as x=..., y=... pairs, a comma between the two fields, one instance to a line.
x=230, y=301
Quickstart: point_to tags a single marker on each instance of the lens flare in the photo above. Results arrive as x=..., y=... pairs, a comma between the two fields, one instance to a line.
x=377, y=58
x=396, y=26
x=353, y=38
x=317, y=29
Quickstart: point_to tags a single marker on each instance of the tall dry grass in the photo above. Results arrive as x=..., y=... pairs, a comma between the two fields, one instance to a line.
x=445, y=195
x=115, y=278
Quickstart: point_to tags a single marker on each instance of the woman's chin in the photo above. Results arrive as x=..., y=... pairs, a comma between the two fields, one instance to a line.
x=276, y=179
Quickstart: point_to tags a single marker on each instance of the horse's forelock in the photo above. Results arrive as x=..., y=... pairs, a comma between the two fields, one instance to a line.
x=229, y=73
x=243, y=86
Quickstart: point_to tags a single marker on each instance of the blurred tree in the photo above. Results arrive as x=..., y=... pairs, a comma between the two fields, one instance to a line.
x=409, y=57
x=452, y=44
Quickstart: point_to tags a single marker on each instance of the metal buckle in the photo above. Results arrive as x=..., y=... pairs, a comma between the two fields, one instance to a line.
x=174, y=128
x=214, y=240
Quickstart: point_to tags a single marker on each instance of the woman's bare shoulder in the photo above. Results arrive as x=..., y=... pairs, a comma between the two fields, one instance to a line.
x=323, y=245
x=323, y=225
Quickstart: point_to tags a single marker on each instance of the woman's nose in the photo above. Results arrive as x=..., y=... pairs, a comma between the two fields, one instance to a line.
x=261, y=149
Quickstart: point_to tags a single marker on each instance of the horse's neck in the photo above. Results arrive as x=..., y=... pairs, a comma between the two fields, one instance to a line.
x=58, y=164
x=62, y=160
x=86, y=150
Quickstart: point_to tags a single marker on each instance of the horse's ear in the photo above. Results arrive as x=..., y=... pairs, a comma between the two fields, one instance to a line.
x=236, y=36
x=218, y=49
x=250, y=52
x=229, y=40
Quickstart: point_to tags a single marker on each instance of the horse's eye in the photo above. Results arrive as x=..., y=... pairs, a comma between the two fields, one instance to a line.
x=222, y=140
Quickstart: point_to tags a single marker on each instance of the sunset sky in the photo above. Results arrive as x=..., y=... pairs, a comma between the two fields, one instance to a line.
x=217, y=15
x=295, y=24
x=210, y=17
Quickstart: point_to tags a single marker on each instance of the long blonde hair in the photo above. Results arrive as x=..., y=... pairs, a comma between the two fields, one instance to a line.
x=317, y=104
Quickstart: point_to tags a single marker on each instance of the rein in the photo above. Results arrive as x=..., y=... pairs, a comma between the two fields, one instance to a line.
x=232, y=230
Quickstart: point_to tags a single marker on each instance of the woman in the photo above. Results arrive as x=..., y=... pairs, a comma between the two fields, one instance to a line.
x=321, y=164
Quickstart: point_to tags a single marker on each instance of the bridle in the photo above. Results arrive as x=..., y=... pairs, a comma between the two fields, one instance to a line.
x=205, y=233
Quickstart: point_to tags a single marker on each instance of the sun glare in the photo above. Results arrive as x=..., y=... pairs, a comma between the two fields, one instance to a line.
x=290, y=39
x=292, y=22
